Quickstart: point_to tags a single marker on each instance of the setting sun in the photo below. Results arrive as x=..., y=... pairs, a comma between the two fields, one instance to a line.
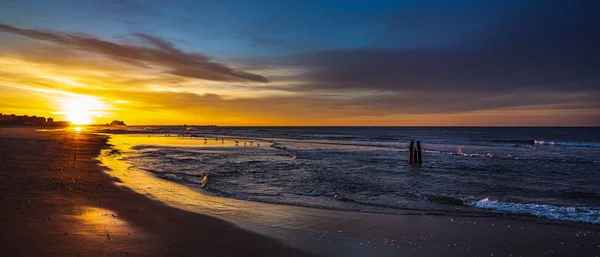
x=81, y=111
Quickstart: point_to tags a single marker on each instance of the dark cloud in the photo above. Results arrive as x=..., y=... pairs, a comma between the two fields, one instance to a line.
x=547, y=45
x=542, y=57
x=465, y=102
x=156, y=52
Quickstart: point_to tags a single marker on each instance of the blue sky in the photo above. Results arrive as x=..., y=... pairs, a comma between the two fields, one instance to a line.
x=231, y=28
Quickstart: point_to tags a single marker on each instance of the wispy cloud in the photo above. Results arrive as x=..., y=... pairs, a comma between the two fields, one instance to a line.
x=156, y=52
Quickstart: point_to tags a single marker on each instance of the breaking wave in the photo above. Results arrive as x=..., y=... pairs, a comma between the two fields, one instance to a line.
x=577, y=214
x=574, y=144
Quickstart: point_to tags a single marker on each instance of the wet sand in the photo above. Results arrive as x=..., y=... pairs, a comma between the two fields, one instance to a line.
x=55, y=205
x=57, y=201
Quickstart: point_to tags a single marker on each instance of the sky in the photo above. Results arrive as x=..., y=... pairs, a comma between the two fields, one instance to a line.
x=288, y=63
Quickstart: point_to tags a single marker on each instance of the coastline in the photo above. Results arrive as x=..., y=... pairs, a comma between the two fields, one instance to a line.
x=62, y=195
x=351, y=233
x=57, y=201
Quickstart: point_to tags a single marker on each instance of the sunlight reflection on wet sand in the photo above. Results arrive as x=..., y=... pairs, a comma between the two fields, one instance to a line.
x=99, y=222
x=280, y=221
x=178, y=195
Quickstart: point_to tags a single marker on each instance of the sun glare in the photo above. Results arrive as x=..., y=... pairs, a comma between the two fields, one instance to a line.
x=81, y=111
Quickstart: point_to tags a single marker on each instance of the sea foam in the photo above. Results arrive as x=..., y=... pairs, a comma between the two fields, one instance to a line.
x=574, y=144
x=577, y=214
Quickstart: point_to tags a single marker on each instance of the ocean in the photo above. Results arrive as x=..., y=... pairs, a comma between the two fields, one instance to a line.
x=550, y=173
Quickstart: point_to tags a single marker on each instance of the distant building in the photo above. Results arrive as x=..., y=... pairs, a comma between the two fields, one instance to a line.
x=59, y=124
x=21, y=120
x=117, y=123
x=6, y=119
x=13, y=119
x=37, y=121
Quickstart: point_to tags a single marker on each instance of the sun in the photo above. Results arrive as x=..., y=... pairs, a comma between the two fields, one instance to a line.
x=81, y=111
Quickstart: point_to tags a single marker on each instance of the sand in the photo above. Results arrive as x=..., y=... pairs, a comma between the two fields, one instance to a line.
x=58, y=201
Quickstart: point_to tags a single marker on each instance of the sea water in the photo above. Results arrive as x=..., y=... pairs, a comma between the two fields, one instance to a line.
x=551, y=173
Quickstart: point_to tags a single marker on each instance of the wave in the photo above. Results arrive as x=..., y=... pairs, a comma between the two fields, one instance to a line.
x=502, y=142
x=448, y=200
x=338, y=137
x=512, y=141
x=375, y=204
x=578, y=195
x=486, y=155
x=293, y=155
x=464, y=142
x=576, y=214
x=574, y=144
x=490, y=142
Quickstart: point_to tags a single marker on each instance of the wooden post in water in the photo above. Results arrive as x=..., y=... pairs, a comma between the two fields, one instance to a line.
x=419, y=153
x=415, y=156
x=410, y=151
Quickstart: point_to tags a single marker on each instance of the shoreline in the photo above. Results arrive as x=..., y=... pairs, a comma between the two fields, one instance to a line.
x=81, y=197
x=57, y=201
x=319, y=229
x=124, y=142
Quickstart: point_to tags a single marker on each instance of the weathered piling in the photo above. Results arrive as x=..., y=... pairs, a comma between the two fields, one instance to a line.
x=410, y=152
x=415, y=156
x=419, y=153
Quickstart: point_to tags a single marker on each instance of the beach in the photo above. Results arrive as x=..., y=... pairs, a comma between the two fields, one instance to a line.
x=58, y=200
